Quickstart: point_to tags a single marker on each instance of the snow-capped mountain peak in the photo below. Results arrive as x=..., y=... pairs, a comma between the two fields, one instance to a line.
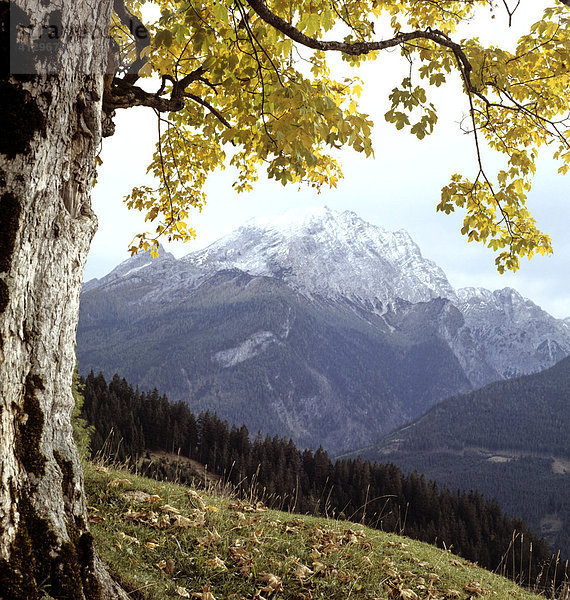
x=130, y=266
x=390, y=338
x=508, y=326
x=330, y=254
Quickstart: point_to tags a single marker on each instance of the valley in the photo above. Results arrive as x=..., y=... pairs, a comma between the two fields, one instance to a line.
x=508, y=440
x=333, y=332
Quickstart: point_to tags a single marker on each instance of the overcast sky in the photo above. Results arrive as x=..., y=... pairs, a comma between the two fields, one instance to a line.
x=397, y=189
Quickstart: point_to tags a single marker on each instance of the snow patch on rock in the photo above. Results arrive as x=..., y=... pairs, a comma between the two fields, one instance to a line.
x=254, y=345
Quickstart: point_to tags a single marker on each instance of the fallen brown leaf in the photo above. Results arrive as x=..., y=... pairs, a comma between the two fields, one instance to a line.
x=408, y=594
x=253, y=536
x=169, y=569
x=302, y=571
x=161, y=565
x=166, y=508
x=475, y=588
x=183, y=522
x=195, y=497
x=319, y=567
x=345, y=577
x=118, y=481
x=166, y=566
x=211, y=537
x=128, y=538
x=217, y=563
x=153, y=498
x=273, y=584
x=132, y=515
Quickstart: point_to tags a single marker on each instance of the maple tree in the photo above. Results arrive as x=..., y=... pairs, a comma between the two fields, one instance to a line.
x=241, y=81
x=251, y=81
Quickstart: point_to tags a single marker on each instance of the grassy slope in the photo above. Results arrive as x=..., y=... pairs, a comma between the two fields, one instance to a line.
x=216, y=548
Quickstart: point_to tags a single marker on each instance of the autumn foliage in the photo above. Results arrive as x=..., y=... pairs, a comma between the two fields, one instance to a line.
x=250, y=84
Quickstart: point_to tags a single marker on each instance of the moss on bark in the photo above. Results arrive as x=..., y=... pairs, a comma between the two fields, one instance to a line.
x=4, y=296
x=10, y=210
x=30, y=427
x=40, y=564
x=20, y=119
x=67, y=480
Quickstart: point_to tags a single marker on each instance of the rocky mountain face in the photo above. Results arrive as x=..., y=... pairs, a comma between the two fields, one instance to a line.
x=333, y=255
x=317, y=326
x=507, y=326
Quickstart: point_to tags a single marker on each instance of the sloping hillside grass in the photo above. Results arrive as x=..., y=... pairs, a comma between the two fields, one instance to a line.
x=163, y=540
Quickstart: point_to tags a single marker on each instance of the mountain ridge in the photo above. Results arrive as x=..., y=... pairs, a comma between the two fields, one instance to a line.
x=334, y=242
x=375, y=332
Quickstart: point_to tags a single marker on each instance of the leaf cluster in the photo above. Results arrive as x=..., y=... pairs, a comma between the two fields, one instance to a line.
x=260, y=104
x=253, y=87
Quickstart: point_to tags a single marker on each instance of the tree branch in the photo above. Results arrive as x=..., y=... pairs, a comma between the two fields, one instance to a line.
x=510, y=11
x=207, y=105
x=126, y=95
x=123, y=94
x=358, y=48
x=141, y=36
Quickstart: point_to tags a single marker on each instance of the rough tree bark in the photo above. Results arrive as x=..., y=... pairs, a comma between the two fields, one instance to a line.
x=50, y=133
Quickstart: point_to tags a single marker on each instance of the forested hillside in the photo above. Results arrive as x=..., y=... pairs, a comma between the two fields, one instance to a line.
x=131, y=423
x=509, y=439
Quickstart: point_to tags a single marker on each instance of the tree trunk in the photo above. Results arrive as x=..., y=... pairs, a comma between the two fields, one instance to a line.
x=50, y=134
